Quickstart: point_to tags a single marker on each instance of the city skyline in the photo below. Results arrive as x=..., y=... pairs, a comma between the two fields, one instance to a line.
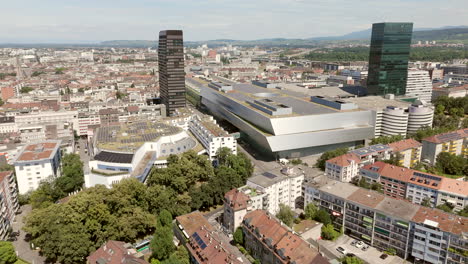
x=90, y=22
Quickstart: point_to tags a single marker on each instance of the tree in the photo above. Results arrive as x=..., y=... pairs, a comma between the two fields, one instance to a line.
x=165, y=218
x=180, y=256
x=376, y=187
x=329, y=155
x=394, y=159
x=426, y=202
x=68, y=232
x=328, y=232
x=1, y=102
x=25, y=89
x=391, y=251
x=451, y=164
x=239, y=236
x=386, y=139
x=464, y=212
x=323, y=217
x=286, y=215
x=7, y=252
x=351, y=260
x=59, y=70
x=81, y=90
x=310, y=211
x=446, y=207
x=161, y=244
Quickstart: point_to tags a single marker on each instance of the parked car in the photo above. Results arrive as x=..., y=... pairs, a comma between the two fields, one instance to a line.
x=359, y=244
x=354, y=242
x=365, y=247
x=350, y=255
x=384, y=256
x=341, y=250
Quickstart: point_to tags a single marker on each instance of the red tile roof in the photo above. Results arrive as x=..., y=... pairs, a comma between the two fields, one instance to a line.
x=4, y=174
x=208, y=247
x=344, y=160
x=237, y=199
x=447, y=222
x=404, y=145
x=282, y=239
x=38, y=151
x=192, y=222
x=446, y=137
x=114, y=252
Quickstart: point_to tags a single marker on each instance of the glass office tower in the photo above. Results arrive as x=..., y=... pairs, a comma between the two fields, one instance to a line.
x=171, y=70
x=388, y=58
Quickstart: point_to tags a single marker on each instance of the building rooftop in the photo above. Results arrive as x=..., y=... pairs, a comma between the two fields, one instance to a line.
x=371, y=150
x=377, y=102
x=339, y=189
x=266, y=179
x=398, y=208
x=115, y=252
x=237, y=199
x=366, y=197
x=130, y=137
x=191, y=222
x=39, y=151
x=281, y=239
x=405, y=144
x=444, y=221
x=345, y=160
x=300, y=103
x=4, y=174
x=447, y=137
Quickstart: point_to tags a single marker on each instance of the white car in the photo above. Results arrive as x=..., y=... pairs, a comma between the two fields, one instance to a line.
x=359, y=244
x=341, y=250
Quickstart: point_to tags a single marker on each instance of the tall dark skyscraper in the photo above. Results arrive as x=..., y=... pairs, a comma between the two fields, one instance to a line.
x=388, y=58
x=171, y=69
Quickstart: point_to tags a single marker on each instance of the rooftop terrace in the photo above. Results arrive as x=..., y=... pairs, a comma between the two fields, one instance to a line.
x=130, y=137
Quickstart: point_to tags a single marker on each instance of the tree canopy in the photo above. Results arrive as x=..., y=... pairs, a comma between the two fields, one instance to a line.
x=387, y=139
x=451, y=164
x=68, y=232
x=7, y=253
x=329, y=155
x=286, y=215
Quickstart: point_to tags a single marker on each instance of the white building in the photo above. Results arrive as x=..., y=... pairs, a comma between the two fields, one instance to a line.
x=9, y=204
x=48, y=117
x=281, y=186
x=343, y=168
x=418, y=84
x=36, y=163
x=85, y=120
x=211, y=135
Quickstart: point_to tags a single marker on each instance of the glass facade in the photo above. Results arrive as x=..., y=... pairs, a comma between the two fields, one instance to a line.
x=388, y=58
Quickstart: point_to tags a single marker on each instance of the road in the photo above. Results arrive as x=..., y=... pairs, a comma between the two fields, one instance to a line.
x=21, y=245
x=81, y=146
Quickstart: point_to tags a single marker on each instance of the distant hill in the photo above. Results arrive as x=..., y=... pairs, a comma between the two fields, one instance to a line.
x=450, y=33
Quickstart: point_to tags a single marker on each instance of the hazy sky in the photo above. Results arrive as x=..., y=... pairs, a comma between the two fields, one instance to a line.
x=74, y=21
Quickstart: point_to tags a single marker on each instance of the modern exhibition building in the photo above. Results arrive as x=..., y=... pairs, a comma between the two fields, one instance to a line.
x=287, y=124
x=131, y=150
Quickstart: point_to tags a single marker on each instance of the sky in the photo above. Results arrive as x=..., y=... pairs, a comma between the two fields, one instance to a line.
x=92, y=21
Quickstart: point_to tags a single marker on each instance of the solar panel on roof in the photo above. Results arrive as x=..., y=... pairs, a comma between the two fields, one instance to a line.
x=199, y=240
x=269, y=175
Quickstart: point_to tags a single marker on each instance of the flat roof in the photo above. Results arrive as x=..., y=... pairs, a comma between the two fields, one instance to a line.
x=377, y=102
x=269, y=178
x=340, y=189
x=130, y=137
x=300, y=103
x=39, y=151
x=400, y=208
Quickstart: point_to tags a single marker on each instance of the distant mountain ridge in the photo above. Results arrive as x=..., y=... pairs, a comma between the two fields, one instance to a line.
x=444, y=33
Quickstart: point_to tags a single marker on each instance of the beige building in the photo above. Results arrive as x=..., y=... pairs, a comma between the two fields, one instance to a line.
x=410, y=151
x=455, y=142
x=343, y=168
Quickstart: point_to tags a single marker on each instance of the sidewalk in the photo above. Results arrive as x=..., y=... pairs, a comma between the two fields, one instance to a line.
x=22, y=247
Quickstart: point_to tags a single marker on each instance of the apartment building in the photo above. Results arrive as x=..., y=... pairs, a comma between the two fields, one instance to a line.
x=272, y=242
x=455, y=142
x=211, y=135
x=239, y=201
x=204, y=242
x=410, y=151
x=419, y=85
x=281, y=186
x=85, y=120
x=47, y=117
x=414, y=231
x=345, y=167
x=115, y=252
x=36, y=163
x=416, y=186
x=9, y=202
